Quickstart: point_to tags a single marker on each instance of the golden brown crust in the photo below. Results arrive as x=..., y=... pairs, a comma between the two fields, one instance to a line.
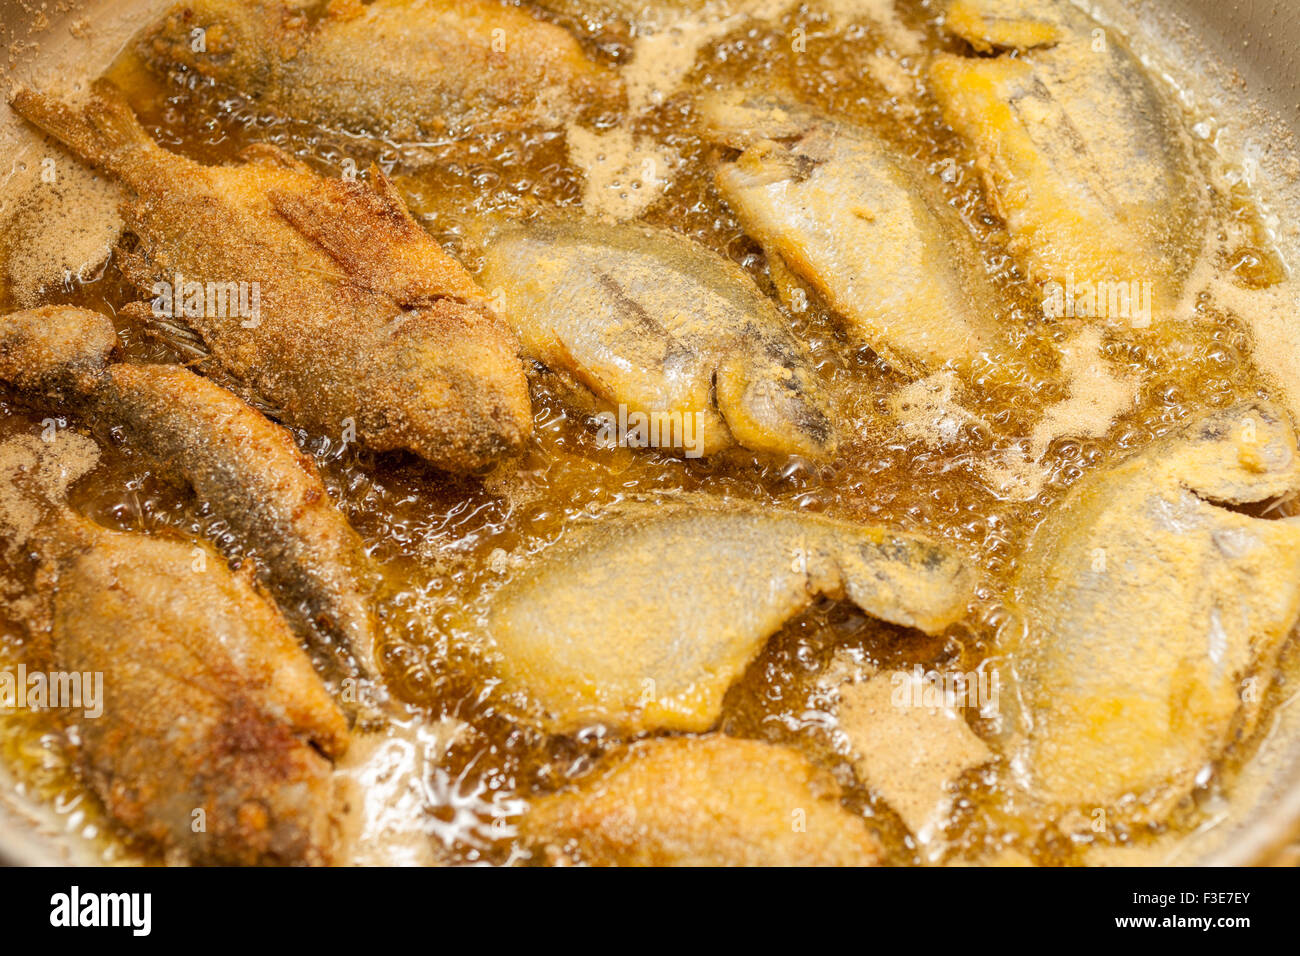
x=247, y=469
x=362, y=323
x=216, y=737
x=252, y=473
x=398, y=69
x=703, y=801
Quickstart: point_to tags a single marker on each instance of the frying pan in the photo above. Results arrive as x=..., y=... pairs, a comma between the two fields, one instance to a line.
x=1240, y=59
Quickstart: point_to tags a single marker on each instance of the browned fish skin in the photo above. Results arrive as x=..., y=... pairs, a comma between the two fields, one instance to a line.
x=364, y=322
x=251, y=472
x=402, y=69
x=247, y=468
x=55, y=351
x=703, y=801
x=209, y=704
x=1152, y=602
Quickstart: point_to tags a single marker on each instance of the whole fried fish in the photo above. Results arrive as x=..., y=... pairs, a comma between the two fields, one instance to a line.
x=663, y=327
x=1154, y=605
x=216, y=738
x=247, y=469
x=397, y=69
x=359, y=324
x=831, y=205
x=644, y=619
x=702, y=801
x=1082, y=155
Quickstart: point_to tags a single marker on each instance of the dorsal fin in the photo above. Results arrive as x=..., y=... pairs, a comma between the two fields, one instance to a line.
x=367, y=230
x=271, y=156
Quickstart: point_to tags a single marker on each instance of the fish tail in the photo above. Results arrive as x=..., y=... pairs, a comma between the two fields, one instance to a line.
x=104, y=133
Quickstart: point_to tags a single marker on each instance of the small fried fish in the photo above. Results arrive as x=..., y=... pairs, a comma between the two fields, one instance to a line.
x=1152, y=601
x=1083, y=157
x=643, y=620
x=358, y=321
x=831, y=205
x=247, y=469
x=406, y=70
x=209, y=704
x=702, y=801
x=662, y=326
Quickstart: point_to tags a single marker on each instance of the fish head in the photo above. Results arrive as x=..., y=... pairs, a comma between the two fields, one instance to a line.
x=1246, y=453
x=226, y=40
x=55, y=351
x=445, y=381
x=741, y=119
x=772, y=402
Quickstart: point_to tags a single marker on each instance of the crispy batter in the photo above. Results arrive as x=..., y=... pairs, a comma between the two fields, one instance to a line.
x=703, y=801
x=643, y=620
x=1155, y=612
x=209, y=704
x=660, y=325
x=246, y=468
x=364, y=322
x=54, y=352
x=398, y=69
x=990, y=25
x=861, y=227
x=1082, y=154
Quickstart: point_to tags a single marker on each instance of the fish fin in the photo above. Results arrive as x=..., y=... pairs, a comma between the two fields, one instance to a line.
x=104, y=133
x=368, y=231
x=270, y=156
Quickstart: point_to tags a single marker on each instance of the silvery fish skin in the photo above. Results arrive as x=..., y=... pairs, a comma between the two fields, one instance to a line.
x=362, y=328
x=247, y=469
x=1082, y=155
x=651, y=321
x=1151, y=607
x=643, y=620
x=702, y=801
x=400, y=69
x=209, y=704
x=831, y=205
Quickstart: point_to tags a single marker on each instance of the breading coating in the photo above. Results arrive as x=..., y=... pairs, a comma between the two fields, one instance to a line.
x=643, y=620
x=407, y=70
x=650, y=321
x=360, y=326
x=1153, y=609
x=247, y=469
x=702, y=801
x=212, y=714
